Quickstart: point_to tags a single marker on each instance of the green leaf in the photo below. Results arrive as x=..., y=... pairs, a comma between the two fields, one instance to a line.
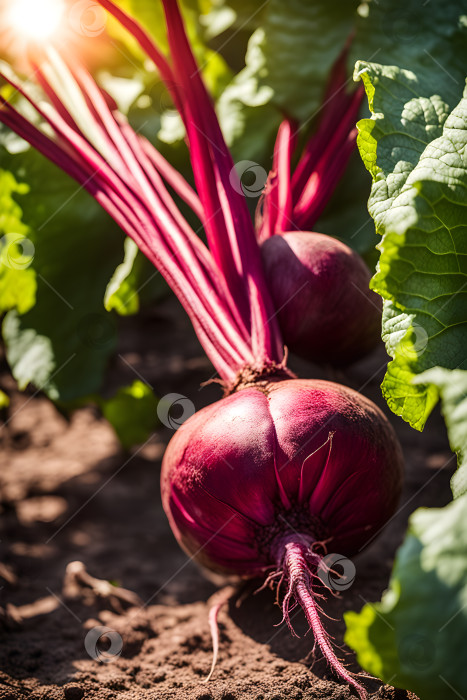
x=120, y=293
x=414, y=146
x=17, y=277
x=415, y=636
x=249, y=119
x=238, y=15
x=423, y=268
x=428, y=41
x=4, y=400
x=135, y=281
x=150, y=14
x=452, y=387
x=299, y=42
x=132, y=413
x=30, y=355
x=288, y=60
x=63, y=343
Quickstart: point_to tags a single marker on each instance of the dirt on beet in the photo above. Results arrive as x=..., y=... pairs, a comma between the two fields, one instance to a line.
x=70, y=494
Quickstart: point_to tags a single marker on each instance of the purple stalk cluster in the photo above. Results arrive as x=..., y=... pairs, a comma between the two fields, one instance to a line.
x=226, y=298
x=295, y=200
x=320, y=287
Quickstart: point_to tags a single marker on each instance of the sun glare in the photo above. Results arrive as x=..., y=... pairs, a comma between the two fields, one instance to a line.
x=34, y=20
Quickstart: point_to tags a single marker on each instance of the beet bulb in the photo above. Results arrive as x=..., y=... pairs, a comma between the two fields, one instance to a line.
x=272, y=477
x=320, y=289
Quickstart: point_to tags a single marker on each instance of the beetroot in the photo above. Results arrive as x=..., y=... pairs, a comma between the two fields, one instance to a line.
x=315, y=452
x=320, y=289
x=273, y=476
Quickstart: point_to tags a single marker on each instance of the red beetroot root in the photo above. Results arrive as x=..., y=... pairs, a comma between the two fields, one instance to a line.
x=320, y=288
x=270, y=475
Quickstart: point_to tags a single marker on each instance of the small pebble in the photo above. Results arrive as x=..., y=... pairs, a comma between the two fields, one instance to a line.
x=74, y=692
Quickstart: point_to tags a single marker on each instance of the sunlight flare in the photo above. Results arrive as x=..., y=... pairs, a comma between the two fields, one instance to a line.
x=36, y=21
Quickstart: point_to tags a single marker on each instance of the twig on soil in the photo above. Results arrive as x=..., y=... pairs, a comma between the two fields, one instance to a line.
x=78, y=583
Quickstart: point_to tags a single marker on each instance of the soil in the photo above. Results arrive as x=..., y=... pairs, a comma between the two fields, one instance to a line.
x=69, y=493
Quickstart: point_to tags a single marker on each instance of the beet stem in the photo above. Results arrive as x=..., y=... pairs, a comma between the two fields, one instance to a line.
x=299, y=576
